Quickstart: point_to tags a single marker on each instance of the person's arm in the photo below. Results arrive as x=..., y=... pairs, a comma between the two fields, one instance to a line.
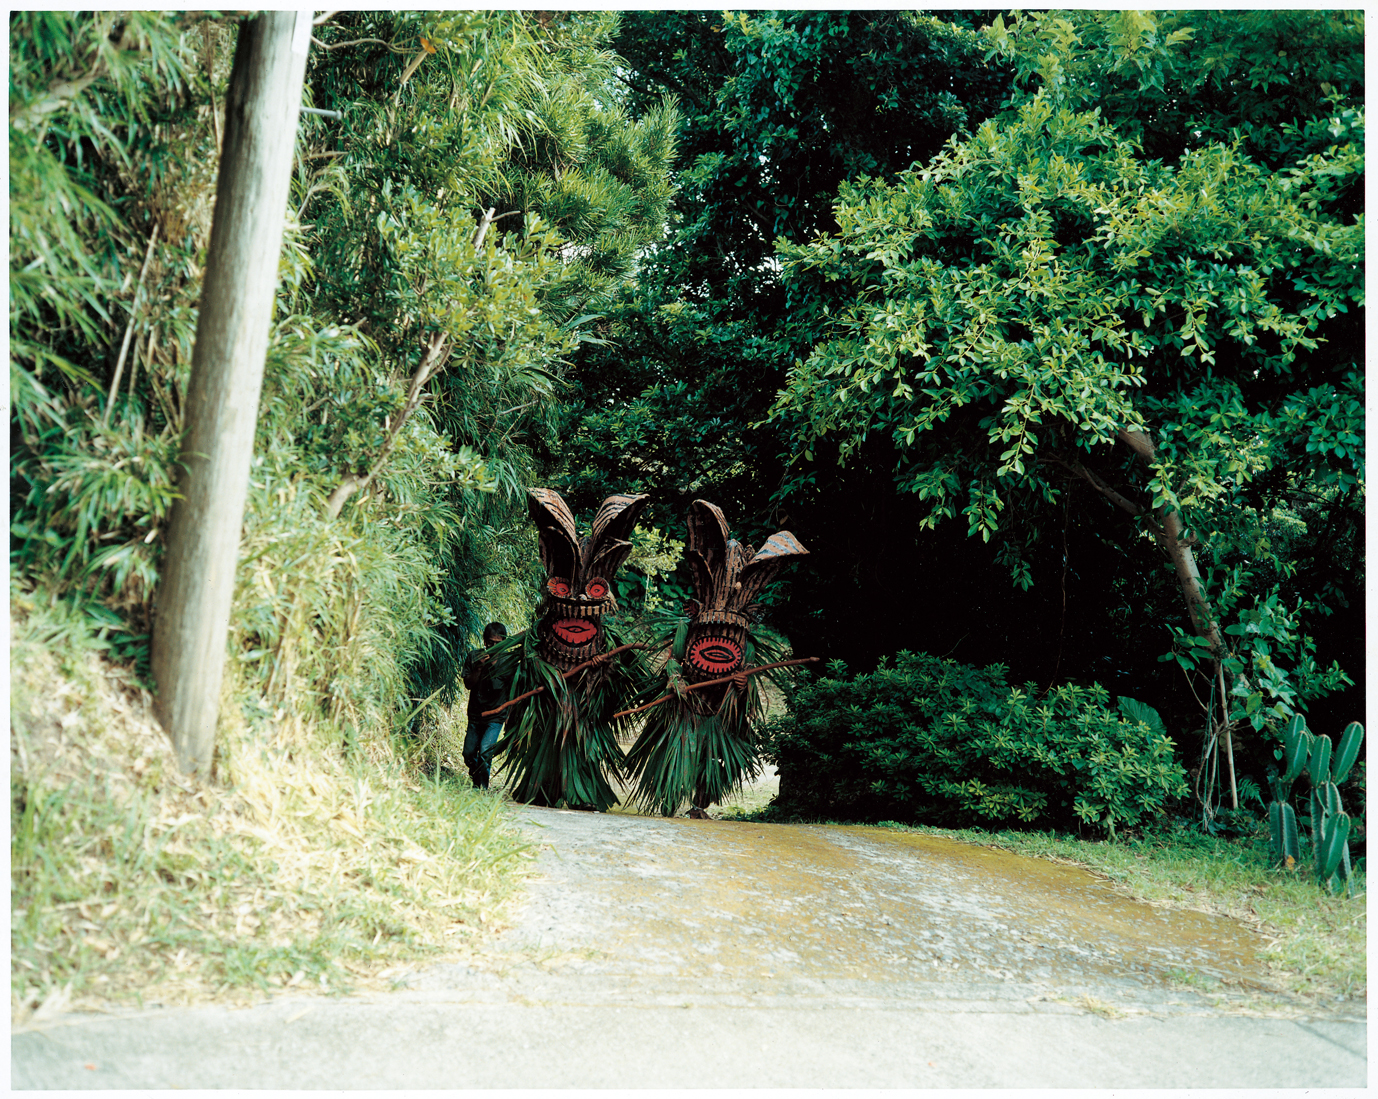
x=472, y=672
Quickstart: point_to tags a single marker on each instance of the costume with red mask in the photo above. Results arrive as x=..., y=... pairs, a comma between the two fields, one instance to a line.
x=700, y=745
x=561, y=744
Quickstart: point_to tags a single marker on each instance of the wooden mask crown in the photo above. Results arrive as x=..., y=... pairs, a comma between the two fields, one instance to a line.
x=564, y=554
x=727, y=575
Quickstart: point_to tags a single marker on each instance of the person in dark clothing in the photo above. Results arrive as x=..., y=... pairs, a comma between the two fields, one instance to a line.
x=486, y=690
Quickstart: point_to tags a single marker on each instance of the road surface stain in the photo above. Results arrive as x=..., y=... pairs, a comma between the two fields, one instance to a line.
x=721, y=899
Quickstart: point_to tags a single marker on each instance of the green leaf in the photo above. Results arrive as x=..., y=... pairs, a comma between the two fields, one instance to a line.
x=1350, y=743
x=1139, y=711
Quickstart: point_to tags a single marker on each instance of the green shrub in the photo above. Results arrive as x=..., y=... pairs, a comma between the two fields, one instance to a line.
x=935, y=741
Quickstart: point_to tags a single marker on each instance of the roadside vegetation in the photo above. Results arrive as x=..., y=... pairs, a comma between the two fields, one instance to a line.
x=301, y=868
x=1003, y=343
x=1044, y=334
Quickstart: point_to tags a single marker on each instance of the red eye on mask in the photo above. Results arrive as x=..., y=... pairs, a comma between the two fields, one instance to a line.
x=557, y=587
x=597, y=588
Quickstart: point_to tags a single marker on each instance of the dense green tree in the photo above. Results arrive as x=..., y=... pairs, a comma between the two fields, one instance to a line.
x=777, y=109
x=680, y=402
x=1044, y=303
x=1176, y=80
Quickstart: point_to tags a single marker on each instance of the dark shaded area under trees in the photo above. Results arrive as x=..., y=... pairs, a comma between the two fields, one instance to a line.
x=778, y=109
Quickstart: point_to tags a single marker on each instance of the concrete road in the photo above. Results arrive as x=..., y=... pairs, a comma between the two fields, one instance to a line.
x=697, y=954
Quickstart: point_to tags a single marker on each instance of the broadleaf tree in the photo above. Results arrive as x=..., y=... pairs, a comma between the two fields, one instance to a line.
x=776, y=109
x=1043, y=303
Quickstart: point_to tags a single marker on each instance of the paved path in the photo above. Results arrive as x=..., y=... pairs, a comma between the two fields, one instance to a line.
x=701, y=954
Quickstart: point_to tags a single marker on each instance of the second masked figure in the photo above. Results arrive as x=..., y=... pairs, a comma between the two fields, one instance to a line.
x=697, y=743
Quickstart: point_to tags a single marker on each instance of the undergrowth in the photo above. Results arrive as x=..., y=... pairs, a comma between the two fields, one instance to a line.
x=949, y=744
x=303, y=865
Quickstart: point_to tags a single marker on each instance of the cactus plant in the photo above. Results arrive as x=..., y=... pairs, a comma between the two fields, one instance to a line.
x=1304, y=751
x=1282, y=821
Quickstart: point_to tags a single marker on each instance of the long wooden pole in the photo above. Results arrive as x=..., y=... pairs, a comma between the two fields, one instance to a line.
x=221, y=409
x=722, y=679
x=563, y=675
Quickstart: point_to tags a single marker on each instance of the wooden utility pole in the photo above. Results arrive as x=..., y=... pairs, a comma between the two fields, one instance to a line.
x=197, y=585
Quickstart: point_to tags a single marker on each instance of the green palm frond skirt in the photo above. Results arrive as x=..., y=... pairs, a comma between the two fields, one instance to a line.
x=560, y=747
x=697, y=746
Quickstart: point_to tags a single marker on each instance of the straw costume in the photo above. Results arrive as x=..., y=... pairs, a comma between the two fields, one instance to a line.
x=561, y=741
x=699, y=744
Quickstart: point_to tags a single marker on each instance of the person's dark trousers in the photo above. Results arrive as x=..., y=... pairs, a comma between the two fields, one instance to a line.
x=482, y=734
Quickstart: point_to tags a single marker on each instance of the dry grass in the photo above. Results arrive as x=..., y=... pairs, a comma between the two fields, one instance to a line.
x=1094, y=1006
x=297, y=867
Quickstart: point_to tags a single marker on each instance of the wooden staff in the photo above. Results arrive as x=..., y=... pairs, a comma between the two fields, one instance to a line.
x=722, y=679
x=563, y=675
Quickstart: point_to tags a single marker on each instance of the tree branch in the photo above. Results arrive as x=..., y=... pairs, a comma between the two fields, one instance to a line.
x=486, y=221
x=412, y=66
x=483, y=223
x=1124, y=503
x=358, y=42
x=129, y=328
x=1174, y=540
x=435, y=356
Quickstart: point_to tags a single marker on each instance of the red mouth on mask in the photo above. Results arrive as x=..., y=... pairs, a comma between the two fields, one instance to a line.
x=574, y=631
x=715, y=655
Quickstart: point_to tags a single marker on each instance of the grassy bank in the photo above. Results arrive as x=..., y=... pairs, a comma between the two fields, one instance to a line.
x=301, y=865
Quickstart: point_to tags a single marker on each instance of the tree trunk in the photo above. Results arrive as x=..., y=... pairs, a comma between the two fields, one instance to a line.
x=221, y=410
x=1171, y=537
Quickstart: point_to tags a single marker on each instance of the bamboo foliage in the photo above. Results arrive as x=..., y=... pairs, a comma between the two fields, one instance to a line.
x=469, y=284
x=114, y=134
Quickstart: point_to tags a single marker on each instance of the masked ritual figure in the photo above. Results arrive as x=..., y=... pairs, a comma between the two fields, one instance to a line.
x=561, y=742
x=698, y=744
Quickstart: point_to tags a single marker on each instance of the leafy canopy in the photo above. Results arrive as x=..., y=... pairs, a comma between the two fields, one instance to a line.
x=1077, y=269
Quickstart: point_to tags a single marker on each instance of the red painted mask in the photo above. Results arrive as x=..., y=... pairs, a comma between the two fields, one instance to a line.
x=728, y=578
x=579, y=573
